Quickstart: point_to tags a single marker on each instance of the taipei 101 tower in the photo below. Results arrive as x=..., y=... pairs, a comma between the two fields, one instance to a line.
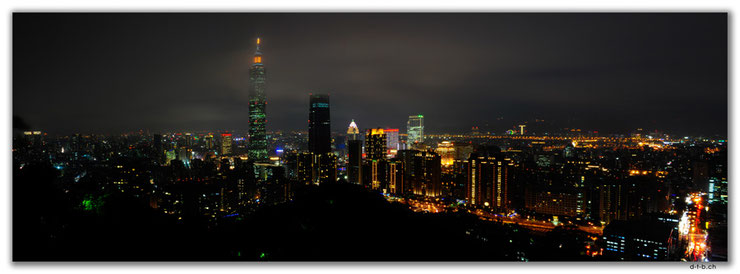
x=257, y=146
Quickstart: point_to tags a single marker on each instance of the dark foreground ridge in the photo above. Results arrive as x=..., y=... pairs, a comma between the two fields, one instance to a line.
x=333, y=222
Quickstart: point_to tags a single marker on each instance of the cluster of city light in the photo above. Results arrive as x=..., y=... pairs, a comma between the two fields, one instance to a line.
x=683, y=225
x=658, y=173
x=651, y=145
x=691, y=230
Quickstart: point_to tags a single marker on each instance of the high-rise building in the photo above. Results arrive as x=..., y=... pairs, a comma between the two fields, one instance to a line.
x=415, y=130
x=717, y=191
x=353, y=131
x=326, y=168
x=354, y=154
x=226, y=144
x=319, y=129
x=395, y=177
x=375, y=144
x=488, y=181
x=639, y=240
x=354, y=161
x=274, y=187
x=446, y=150
x=209, y=141
x=426, y=170
x=257, y=147
x=305, y=171
x=319, y=164
x=391, y=141
x=316, y=168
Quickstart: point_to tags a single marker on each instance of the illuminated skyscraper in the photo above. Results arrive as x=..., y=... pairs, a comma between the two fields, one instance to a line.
x=319, y=164
x=423, y=170
x=375, y=148
x=395, y=177
x=257, y=148
x=353, y=131
x=391, y=141
x=488, y=181
x=319, y=129
x=375, y=144
x=415, y=129
x=354, y=154
x=226, y=144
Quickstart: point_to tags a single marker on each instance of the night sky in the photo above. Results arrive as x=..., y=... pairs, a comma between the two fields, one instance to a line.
x=111, y=73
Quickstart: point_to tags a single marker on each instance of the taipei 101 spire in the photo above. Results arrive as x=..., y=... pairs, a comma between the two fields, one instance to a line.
x=257, y=145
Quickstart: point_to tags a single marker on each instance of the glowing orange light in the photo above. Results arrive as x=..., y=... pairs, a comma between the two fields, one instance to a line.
x=258, y=59
x=378, y=131
x=258, y=40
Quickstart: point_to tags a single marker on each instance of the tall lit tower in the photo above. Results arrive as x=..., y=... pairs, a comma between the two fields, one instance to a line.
x=521, y=129
x=226, y=144
x=257, y=146
x=391, y=140
x=319, y=126
x=323, y=163
x=415, y=129
x=353, y=131
x=354, y=154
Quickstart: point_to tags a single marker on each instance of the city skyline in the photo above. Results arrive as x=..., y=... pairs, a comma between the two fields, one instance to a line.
x=654, y=79
x=574, y=153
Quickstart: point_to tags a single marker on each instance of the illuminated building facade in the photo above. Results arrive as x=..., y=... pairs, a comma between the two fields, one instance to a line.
x=226, y=141
x=319, y=128
x=353, y=131
x=488, y=181
x=316, y=169
x=639, y=240
x=415, y=130
x=552, y=203
x=426, y=172
x=717, y=192
x=375, y=144
x=326, y=168
x=391, y=141
x=257, y=146
x=209, y=141
x=395, y=177
x=274, y=187
x=319, y=164
x=375, y=150
x=354, y=154
x=446, y=150
x=305, y=172
x=377, y=173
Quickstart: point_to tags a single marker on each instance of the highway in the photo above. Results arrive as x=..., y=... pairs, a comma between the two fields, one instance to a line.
x=540, y=226
x=692, y=229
